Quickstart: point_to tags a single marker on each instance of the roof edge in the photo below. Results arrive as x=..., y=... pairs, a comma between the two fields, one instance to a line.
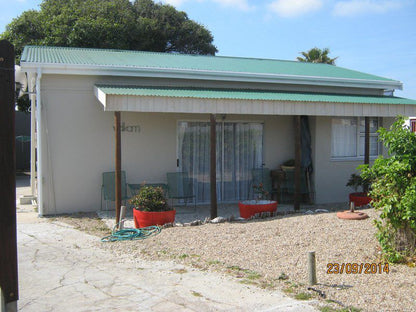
x=175, y=73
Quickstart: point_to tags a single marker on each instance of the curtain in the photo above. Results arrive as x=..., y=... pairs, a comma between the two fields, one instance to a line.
x=239, y=150
x=344, y=137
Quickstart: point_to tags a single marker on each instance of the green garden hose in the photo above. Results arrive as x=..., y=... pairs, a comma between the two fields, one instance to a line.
x=131, y=234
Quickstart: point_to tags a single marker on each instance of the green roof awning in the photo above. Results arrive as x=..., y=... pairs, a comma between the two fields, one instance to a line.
x=251, y=95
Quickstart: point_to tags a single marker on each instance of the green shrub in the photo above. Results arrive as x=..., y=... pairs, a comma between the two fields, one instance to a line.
x=393, y=191
x=150, y=198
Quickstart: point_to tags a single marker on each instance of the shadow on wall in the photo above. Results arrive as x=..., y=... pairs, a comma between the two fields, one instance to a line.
x=22, y=141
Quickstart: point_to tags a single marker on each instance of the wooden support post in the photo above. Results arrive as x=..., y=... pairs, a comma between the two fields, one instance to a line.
x=117, y=164
x=298, y=155
x=366, y=147
x=213, y=166
x=312, y=268
x=8, y=239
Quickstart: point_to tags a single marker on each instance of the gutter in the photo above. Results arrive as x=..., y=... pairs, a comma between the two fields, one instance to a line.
x=195, y=74
x=39, y=142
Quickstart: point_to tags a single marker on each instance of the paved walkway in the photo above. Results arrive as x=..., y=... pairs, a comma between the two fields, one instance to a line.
x=62, y=269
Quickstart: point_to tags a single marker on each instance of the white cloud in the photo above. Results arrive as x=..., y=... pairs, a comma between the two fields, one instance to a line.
x=239, y=4
x=174, y=2
x=357, y=7
x=293, y=8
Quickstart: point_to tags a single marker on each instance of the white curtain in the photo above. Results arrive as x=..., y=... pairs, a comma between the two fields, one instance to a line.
x=344, y=137
x=239, y=149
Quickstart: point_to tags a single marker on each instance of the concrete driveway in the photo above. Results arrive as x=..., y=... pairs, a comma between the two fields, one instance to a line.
x=63, y=269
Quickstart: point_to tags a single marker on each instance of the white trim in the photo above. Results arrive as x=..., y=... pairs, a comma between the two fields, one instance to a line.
x=178, y=73
x=134, y=103
x=101, y=96
x=351, y=159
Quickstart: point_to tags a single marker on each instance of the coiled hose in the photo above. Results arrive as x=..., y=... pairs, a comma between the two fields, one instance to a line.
x=131, y=234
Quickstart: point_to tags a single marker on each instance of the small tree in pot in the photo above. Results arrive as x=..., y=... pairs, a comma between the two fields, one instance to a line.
x=356, y=181
x=150, y=207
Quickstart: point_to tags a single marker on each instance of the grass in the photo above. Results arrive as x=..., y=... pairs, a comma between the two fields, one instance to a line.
x=346, y=309
x=180, y=271
x=196, y=294
x=303, y=296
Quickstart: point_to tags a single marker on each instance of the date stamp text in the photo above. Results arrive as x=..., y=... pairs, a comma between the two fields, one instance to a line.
x=357, y=268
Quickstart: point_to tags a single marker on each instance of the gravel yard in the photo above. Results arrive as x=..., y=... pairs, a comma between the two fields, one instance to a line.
x=273, y=253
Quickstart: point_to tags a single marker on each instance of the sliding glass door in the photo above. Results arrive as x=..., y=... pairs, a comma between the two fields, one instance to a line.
x=239, y=149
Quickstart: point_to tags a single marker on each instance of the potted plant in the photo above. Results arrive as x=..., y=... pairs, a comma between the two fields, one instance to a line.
x=260, y=204
x=358, y=198
x=150, y=207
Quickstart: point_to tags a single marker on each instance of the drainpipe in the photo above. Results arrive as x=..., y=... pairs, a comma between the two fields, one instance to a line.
x=39, y=143
x=31, y=90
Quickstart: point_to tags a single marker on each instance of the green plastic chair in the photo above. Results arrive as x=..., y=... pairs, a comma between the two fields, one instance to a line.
x=108, y=188
x=262, y=175
x=180, y=187
x=287, y=188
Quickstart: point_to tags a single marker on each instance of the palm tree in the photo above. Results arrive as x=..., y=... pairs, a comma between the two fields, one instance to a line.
x=317, y=55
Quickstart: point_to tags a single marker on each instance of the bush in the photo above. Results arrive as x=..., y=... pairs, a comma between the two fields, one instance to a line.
x=393, y=191
x=150, y=198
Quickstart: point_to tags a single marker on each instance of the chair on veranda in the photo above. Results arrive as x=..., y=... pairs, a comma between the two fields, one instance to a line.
x=108, y=188
x=180, y=187
x=287, y=188
x=263, y=176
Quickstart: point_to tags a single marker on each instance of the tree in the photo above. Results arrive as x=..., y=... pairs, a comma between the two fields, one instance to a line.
x=116, y=24
x=393, y=190
x=316, y=55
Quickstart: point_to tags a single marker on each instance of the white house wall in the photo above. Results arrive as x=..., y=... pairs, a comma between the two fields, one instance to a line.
x=331, y=175
x=78, y=145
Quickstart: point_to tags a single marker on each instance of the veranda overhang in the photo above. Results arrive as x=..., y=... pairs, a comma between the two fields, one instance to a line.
x=221, y=101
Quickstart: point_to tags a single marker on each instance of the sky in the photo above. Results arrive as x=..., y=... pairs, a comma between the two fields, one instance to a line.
x=373, y=36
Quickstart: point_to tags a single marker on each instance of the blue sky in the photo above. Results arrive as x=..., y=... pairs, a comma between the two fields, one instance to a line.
x=373, y=36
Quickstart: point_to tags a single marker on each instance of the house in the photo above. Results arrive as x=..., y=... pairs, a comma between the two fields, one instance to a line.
x=165, y=102
x=413, y=124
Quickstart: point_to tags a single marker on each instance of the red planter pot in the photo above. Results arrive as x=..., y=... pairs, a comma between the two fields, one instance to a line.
x=359, y=199
x=249, y=208
x=147, y=218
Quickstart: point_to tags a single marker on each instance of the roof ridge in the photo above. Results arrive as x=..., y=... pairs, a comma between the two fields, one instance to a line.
x=171, y=54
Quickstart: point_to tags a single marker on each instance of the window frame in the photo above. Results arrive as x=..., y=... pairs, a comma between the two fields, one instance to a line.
x=358, y=157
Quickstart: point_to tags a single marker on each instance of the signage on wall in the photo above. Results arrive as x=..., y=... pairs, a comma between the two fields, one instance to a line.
x=129, y=128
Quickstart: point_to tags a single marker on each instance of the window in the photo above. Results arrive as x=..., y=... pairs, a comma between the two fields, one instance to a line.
x=348, y=136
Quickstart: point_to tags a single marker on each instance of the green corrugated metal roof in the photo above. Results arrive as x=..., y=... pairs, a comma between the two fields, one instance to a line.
x=251, y=95
x=120, y=59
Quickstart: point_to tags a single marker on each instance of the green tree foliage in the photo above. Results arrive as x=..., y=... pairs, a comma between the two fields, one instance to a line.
x=117, y=24
x=316, y=55
x=111, y=24
x=393, y=191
